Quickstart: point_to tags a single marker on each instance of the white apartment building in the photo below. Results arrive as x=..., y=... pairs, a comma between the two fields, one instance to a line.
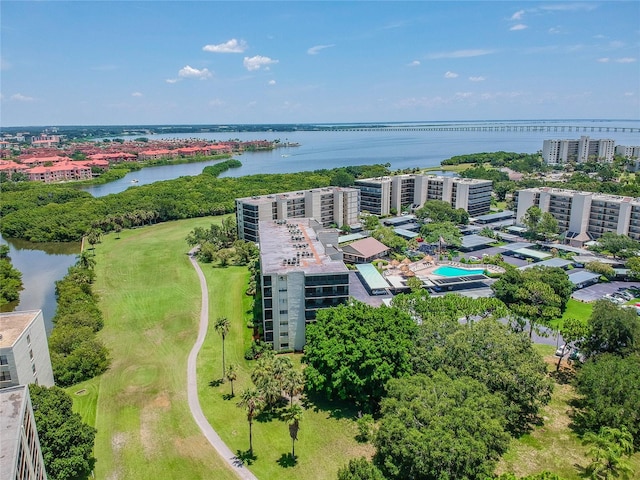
x=20, y=452
x=302, y=272
x=583, y=216
x=330, y=205
x=24, y=352
x=559, y=152
x=382, y=194
x=630, y=153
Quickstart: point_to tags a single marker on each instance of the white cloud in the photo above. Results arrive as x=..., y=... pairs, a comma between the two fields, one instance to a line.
x=315, y=50
x=616, y=44
x=257, y=62
x=477, y=79
x=4, y=65
x=460, y=54
x=604, y=60
x=415, y=63
x=136, y=94
x=216, y=102
x=555, y=30
x=172, y=80
x=569, y=7
x=272, y=82
x=18, y=97
x=519, y=26
x=190, y=72
x=629, y=94
x=626, y=60
x=450, y=75
x=518, y=15
x=231, y=46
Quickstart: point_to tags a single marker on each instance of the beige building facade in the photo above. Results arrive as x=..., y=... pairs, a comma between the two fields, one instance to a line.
x=559, y=152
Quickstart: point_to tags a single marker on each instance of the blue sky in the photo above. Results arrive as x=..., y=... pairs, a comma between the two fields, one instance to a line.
x=153, y=62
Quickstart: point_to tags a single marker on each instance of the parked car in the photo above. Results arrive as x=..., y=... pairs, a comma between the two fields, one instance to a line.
x=474, y=258
x=562, y=350
x=576, y=355
x=611, y=298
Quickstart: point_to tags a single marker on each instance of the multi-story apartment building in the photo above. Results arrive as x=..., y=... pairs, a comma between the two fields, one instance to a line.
x=331, y=205
x=583, y=216
x=382, y=194
x=20, y=452
x=24, y=352
x=559, y=152
x=302, y=271
x=631, y=153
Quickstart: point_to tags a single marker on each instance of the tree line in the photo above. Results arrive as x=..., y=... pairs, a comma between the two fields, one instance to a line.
x=10, y=278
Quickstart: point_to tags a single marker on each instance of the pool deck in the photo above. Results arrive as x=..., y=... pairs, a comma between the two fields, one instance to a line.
x=424, y=270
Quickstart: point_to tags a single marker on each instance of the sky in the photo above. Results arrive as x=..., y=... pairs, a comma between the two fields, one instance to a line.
x=229, y=62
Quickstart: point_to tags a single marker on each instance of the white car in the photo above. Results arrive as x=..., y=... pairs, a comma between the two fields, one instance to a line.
x=473, y=258
x=562, y=350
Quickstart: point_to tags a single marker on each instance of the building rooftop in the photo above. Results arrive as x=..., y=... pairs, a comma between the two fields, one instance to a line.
x=293, y=245
x=12, y=406
x=605, y=197
x=388, y=178
x=13, y=324
x=262, y=199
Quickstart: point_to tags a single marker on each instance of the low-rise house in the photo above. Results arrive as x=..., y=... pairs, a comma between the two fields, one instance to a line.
x=364, y=251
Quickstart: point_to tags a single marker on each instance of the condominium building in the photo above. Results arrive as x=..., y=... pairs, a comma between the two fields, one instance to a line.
x=20, y=452
x=381, y=195
x=24, y=352
x=559, y=152
x=583, y=216
x=331, y=205
x=302, y=271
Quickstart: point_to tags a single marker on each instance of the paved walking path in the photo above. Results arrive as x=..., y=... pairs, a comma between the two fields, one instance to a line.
x=192, y=386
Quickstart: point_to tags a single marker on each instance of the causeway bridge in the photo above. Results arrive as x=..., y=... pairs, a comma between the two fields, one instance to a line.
x=484, y=128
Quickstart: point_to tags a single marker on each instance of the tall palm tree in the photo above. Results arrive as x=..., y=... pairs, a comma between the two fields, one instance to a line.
x=86, y=260
x=232, y=375
x=292, y=416
x=293, y=383
x=251, y=401
x=607, y=449
x=222, y=326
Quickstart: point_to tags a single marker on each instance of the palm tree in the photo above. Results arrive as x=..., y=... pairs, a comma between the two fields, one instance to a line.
x=251, y=401
x=222, y=327
x=293, y=383
x=292, y=416
x=608, y=447
x=232, y=375
x=86, y=260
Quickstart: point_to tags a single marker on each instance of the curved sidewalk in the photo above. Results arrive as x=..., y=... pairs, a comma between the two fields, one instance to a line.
x=192, y=385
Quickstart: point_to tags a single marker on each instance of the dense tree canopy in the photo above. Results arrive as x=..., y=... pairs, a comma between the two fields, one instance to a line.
x=439, y=211
x=611, y=329
x=609, y=388
x=439, y=428
x=67, y=442
x=352, y=351
x=617, y=245
x=360, y=469
x=10, y=278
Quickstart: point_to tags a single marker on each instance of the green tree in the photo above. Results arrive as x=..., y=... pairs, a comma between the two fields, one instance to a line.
x=439, y=211
x=573, y=332
x=633, y=264
x=10, y=278
x=601, y=268
x=232, y=375
x=353, y=350
x=531, y=219
x=609, y=389
x=360, y=469
x=251, y=401
x=222, y=326
x=292, y=383
x=608, y=447
x=66, y=442
x=621, y=246
x=611, y=329
x=439, y=428
x=371, y=222
x=292, y=416
x=443, y=232
x=548, y=226
x=342, y=178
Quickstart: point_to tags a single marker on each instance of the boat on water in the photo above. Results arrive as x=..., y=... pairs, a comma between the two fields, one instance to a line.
x=135, y=180
x=285, y=155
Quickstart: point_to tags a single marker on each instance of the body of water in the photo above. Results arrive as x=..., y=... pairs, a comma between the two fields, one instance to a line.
x=41, y=265
x=330, y=149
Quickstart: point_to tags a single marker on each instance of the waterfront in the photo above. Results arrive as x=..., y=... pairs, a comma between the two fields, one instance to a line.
x=328, y=149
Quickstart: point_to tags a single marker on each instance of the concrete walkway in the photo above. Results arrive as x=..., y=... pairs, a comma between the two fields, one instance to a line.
x=192, y=386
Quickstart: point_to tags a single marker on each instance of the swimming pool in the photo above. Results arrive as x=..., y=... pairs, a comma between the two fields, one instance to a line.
x=448, y=271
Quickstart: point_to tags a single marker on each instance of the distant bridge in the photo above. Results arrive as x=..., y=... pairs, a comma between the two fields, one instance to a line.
x=488, y=128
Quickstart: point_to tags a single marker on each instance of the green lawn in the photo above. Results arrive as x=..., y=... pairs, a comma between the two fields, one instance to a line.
x=575, y=309
x=149, y=295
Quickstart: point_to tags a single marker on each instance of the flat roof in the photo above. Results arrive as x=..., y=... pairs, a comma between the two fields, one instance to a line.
x=593, y=258
x=272, y=197
x=399, y=220
x=12, y=405
x=292, y=245
x=351, y=237
x=372, y=277
x=516, y=246
x=527, y=252
x=459, y=280
x=501, y=223
x=403, y=232
x=582, y=276
x=568, y=248
x=492, y=217
x=552, y=262
x=475, y=240
x=12, y=325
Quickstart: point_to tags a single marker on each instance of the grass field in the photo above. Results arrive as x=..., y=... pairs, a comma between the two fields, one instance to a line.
x=149, y=296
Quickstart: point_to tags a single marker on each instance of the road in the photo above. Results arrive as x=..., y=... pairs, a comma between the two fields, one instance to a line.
x=192, y=385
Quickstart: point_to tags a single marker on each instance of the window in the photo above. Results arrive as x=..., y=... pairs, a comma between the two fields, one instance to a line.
x=29, y=339
x=5, y=377
x=3, y=360
x=33, y=369
x=284, y=312
x=31, y=354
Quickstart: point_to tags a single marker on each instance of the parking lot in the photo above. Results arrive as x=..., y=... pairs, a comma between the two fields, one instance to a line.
x=597, y=291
